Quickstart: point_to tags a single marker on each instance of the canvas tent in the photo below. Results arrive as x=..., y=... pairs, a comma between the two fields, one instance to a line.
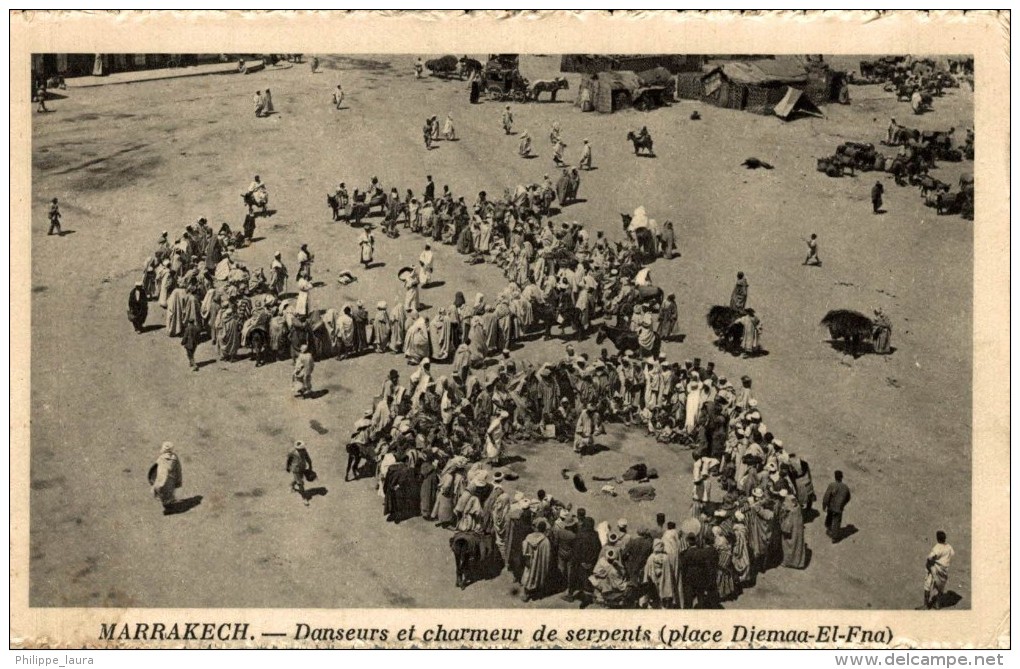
x=606, y=92
x=756, y=85
x=795, y=102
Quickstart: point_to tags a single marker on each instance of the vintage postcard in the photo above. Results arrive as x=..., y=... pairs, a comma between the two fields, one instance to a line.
x=509, y=329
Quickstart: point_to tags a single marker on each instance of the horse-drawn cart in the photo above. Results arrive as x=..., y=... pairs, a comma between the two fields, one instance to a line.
x=501, y=79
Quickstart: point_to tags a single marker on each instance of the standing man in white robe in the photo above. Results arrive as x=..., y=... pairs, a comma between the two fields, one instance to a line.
x=411, y=291
x=425, y=266
x=367, y=244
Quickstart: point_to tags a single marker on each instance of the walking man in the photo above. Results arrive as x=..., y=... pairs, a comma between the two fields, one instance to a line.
x=738, y=298
x=278, y=282
x=367, y=244
x=508, y=120
x=338, y=96
x=189, y=340
x=305, y=260
x=430, y=189
x=426, y=132
x=558, y=153
x=138, y=307
x=837, y=496
x=166, y=477
x=54, y=217
x=260, y=104
x=299, y=465
x=876, y=197
x=40, y=98
x=812, y=245
x=584, y=430
x=449, y=134
x=937, y=566
x=524, y=148
x=585, y=163
x=302, y=378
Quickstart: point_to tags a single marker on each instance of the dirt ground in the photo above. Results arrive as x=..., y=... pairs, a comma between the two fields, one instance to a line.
x=130, y=161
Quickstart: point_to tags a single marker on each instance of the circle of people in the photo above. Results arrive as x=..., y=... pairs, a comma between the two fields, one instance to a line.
x=437, y=448
x=434, y=446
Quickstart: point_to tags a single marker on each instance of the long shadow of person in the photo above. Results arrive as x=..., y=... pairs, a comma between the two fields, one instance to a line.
x=184, y=505
x=310, y=493
x=845, y=533
x=949, y=599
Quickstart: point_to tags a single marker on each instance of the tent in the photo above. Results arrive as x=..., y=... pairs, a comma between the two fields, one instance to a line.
x=607, y=91
x=757, y=85
x=793, y=102
x=610, y=82
x=765, y=73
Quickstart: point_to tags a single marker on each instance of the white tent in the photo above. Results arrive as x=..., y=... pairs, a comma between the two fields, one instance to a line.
x=796, y=101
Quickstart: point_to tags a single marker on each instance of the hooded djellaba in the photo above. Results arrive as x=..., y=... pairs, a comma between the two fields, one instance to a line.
x=168, y=477
x=537, y=555
x=659, y=575
x=442, y=337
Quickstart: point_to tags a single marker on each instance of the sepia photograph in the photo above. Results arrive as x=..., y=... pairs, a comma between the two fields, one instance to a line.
x=472, y=327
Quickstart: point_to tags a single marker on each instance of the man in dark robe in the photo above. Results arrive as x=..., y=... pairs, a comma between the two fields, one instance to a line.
x=465, y=244
x=717, y=432
x=635, y=555
x=429, y=475
x=563, y=188
x=738, y=300
x=360, y=317
x=698, y=568
x=190, y=340
x=402, y=495
x=586, y=553
x=564, y=537
x=836, y=497
x=876, y=197
x=518, y=528
x=625, y=306
x=667, y=241
x=213, y=253
x=138, y=307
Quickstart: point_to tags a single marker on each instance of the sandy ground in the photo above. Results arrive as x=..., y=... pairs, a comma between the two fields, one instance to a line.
x=130, y=161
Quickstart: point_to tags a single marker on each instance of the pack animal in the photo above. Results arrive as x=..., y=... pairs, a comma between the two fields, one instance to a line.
x=850, y=327
x=641, y=144
x=551, y=86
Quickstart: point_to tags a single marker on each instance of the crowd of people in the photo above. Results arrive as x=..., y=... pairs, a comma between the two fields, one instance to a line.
x=438, y=449
x=437, y=445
